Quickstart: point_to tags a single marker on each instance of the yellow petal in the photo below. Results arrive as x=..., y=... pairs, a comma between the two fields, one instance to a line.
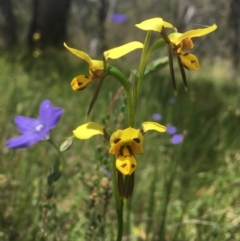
x=147, y=126
x=137, y=147
x=118, y=52
x=129, y=136
x=154, y=24
x=126, y=165
x=80, y=82
x=126, y=135
x=80, y=54
x=195, y=33
x=174, y=37
x=187, y=44
x=88, y=130
x=97, y=65
x=189, y=61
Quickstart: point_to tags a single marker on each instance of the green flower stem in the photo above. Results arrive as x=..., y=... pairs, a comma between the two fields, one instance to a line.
x=116, y=73
x=53, y=177
x=119, y=203
x=142, y=65
x=158, y=44
x=57, y=149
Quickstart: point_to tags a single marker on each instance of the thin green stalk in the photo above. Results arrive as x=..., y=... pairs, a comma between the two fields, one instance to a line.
x=159, y=43
x=151, y=202
x=134, y=94
x=57, y=149
x=119, y=203
x=168, y=188
x=142, y=64
x=116, y=73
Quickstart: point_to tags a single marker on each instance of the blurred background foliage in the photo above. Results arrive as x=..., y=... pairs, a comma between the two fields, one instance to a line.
x=183, y=192
x=87, y=24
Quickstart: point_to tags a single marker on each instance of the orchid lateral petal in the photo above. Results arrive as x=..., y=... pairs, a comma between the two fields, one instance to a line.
x=88, y=130
x=95, y=95
x=182, y=70
x=80, y=54
x=147, y=126
x=80, y=82
x=170, y=58
x=154, y=24
x=130, y=186
x=120, y=51
x=189, y=61
x=195, y=33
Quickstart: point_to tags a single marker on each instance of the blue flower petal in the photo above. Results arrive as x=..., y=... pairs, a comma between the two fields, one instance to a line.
x=25, y=124
x=118, y=18
x=171, y=129
x=23, y=141
x=177, y=139
x=157, y=117
x=35, y=130
x=49, y=115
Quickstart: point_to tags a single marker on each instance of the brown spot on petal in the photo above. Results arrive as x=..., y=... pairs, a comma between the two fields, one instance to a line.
x=137, y=140
x=121, y=150
x=130, y=150
x=124, y=165
x=79, y=83
x=116, y=140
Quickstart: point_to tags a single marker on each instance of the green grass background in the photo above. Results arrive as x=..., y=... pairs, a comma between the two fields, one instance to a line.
x=185, y=192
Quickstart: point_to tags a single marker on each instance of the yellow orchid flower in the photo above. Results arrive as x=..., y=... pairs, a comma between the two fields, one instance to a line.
x=123, y=143
x=183, y=41
x=177, y=43
x=96, y=67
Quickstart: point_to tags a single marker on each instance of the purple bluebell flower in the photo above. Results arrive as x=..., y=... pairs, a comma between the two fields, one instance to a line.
x=157, y=117
x=171, y=130
x=35, y=130
x=177, y=139
x=118, y=18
